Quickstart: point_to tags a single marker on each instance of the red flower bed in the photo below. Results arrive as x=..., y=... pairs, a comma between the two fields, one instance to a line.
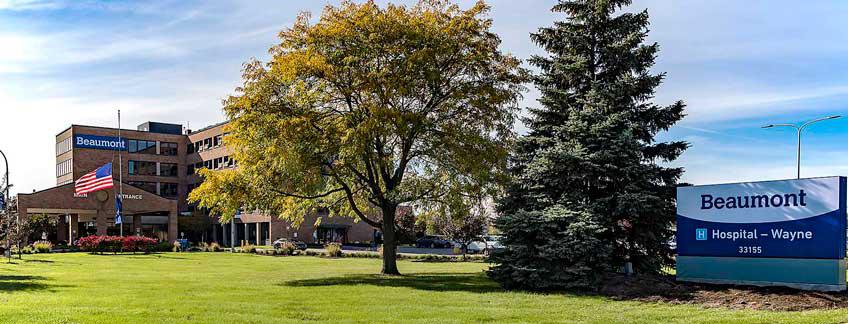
x=115, y=244
x=138, y=244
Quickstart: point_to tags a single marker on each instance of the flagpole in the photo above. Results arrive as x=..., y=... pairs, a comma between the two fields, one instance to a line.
x=120, y=173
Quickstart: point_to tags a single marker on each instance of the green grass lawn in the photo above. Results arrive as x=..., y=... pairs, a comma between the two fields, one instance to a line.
x=242, y=288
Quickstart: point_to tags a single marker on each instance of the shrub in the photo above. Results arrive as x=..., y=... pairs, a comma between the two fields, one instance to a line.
x=287, y=248
x=42, y=246
x=138, y=244
x=248, y=248
x=100, y=244
x=162, y=247
x=89, y=243
x=363, y=254
x=210, y=247
x=334, y=250
x=115, y=244
x=178, y=247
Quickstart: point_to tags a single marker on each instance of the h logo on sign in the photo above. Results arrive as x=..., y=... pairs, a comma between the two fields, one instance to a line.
x=700, y=234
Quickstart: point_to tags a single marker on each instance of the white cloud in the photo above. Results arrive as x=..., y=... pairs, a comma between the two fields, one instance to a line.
x=29, y=4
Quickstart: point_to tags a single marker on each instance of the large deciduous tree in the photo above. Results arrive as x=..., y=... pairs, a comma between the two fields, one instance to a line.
x=367, y=109
x=590, y=191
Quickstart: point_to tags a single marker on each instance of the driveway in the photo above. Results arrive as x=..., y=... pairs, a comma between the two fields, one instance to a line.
x=401, y=249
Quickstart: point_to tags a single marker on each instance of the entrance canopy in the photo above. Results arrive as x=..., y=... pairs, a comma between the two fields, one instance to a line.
x=98, y=207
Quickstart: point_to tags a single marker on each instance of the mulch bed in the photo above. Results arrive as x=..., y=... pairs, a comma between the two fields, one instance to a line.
x=664, y=289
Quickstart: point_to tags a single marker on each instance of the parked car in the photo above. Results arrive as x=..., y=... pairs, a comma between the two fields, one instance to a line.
x=493, y=243
x=477, y=247
x=433, y=242
x=298, y=244
x=486, y=244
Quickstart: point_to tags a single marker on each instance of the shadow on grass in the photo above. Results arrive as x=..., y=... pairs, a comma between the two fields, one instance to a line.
x=467, y=282
x=158, y=255
x=12, y=283
x=38, y=261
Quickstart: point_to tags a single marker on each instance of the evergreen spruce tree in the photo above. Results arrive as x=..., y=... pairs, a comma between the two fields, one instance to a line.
x=588, y=192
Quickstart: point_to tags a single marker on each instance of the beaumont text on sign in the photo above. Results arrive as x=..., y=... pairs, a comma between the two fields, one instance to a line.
x=100, y=142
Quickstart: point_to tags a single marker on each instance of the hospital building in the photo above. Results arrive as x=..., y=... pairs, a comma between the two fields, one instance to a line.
x=158, y=163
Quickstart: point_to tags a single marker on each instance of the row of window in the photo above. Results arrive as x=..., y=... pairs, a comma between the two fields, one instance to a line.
x=64, y=167
x=214, y=164
x=63, y=146
x=164, y=189
x=206, y=144
x=149, y=147
x=146, y=168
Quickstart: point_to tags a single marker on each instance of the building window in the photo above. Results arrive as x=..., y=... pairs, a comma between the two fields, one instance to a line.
x=168, y=190
x=166, y=148
x=142, y=168
x=190, y=169
x=142, y=147
x=229, y=162
x=168, y=170
x=63, y=146
x=198, y=146
x=207, y=144
x=64, y=167
x=190, y=148
x=218, y=140
x=144, y=185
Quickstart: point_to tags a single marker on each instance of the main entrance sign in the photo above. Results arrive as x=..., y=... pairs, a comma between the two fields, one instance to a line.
x=788, y=232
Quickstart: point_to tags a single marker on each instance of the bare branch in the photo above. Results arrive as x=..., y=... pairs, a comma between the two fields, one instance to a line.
x=307, y=197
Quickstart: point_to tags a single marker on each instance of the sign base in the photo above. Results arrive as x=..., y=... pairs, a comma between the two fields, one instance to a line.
x=806, y=274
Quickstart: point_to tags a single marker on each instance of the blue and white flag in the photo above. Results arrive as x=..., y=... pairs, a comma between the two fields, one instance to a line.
x=118, y=207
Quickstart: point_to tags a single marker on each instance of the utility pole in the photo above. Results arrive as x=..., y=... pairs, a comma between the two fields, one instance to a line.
x=799, y=129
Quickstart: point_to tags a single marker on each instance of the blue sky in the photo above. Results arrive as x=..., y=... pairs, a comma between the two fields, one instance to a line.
x=737, y=64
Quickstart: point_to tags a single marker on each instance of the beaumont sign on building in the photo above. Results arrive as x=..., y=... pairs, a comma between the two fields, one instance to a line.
x=100, y=142
x=788, y=232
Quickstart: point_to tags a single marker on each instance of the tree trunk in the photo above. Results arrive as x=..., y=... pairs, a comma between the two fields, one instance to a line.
x=389, y=241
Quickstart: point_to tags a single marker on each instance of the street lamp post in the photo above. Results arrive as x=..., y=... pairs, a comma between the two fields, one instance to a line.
x=6, y=203
x=799, y=129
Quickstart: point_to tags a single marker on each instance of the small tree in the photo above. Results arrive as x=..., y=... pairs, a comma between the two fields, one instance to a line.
x=16, y=230
x=463, y=220
x=367, y=109
x=41, y=223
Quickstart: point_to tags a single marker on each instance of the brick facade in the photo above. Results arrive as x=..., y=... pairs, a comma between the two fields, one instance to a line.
x=203, y=148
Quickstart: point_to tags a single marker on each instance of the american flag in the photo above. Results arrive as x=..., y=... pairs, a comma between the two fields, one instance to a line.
x=95, y=180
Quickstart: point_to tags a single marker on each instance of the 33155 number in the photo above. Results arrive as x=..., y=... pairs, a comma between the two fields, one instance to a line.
x=750, y=249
